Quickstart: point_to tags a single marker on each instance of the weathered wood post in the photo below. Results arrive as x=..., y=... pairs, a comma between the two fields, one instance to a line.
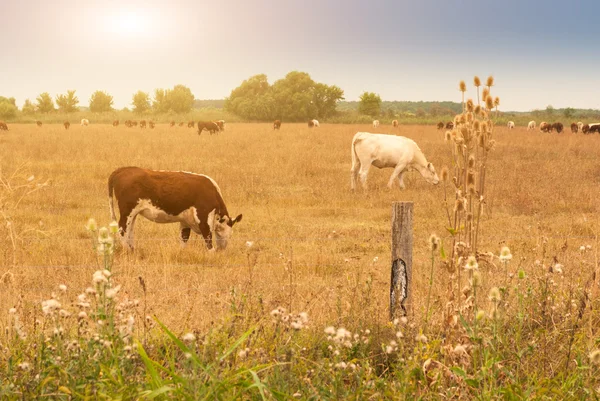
x=402, y=247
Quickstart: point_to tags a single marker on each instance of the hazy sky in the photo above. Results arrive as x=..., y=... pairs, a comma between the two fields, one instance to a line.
x=540, y=52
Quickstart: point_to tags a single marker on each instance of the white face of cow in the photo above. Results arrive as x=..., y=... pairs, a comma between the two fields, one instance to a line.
x=223, y=230
x=430, y=175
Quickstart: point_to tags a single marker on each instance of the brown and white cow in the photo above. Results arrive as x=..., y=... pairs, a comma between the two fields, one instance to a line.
x=116, y=123
x=172, y=124
x=191, y=124
x=181, y=124
x=143, y=124
x=67, y=124
x=574, y=128
x=151, y=124
x=38, y=123
x=585, y=129
x=211, y=127
x=277, y=124
x=556, y=126
x=394, y=123
x=193, y=200
x=85, y=122
x=594, y=127
x=221, y=124
x=440, y=125
x=449, y=125
x=545, y=127
x=3, y=126
x=311, y=123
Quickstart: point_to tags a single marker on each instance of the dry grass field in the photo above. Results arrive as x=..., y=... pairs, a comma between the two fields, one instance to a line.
x=316, y=246
x=315, y=242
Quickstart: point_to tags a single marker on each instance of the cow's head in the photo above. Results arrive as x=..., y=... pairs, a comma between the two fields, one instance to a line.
x=223, y=230
x=430, y=175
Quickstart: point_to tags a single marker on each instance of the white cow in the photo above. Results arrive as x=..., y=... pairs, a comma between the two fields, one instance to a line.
x=383, y=150
x=375, y=123
x=579, y=125
x=316, y=122
x=85, y=121
x=531, y=125
x=510, y=125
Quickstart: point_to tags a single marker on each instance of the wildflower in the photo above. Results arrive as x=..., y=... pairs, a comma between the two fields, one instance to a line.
x=296, y=325
x=471, y=263
x=476, y=279
x=403, y=320
x=341, y=365
x=494, y=295
x=91, y=225
x=187, y=355
x=303, y=317
x=102, y=233
x=82, y=315
x=111, y=292
x=557, y=268
x=421, y=338
x=31, y=178
x=49, y=306
x=480, y=315
x=64, y=313
x=399, y=334
x=12, y=311
x=521, y=274
x=434, y=242
x=90, y=291
x=113, y=227
x=189, y=337
x=459, y=350
x=99, y=277
x=505, y=254
x=62, y=287
x=127, y=348
x=297, y=394
x=330, y=330
x=24, y=366
x=243, y=353
x=595, y=357
x=588, y=247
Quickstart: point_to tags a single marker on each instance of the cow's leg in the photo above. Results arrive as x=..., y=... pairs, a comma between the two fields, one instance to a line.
x=401, y=180
x=364, y=171
x=126, y=224
x=207, y=235
x=184, y=234
x=398, y=172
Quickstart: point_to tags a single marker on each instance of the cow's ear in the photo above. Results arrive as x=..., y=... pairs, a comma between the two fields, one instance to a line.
x=236, y=220
x=430, y=167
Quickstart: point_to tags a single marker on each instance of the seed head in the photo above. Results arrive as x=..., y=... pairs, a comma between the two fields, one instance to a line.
x=470, y=178
x=485, y=93
x=444, y=174
x=470, y=105
x=470, y=117
x=477, y=124
x=496, y=101
x=471, y=263
x=113, y=227
x=480, y=315
x=505, y=254
x=476, y=81
x=476, y=279
x=189, y=337
x=489, y=102
x=434, y=242
x=521, y=274
x=477, y=109
x=494, y=295
x=91, y=225
x=595, y=357
x=462, y=86
x=490, y=81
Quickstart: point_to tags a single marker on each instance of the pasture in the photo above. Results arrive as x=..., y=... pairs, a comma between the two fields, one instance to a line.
x=306, y=242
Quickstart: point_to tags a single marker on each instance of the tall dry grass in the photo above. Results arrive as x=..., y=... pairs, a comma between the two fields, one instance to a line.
x=316, y=247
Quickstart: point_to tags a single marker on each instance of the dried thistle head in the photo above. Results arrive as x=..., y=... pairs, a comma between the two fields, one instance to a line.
x=496, y=101
x=470, y=117
x=485, y=93
x=470, y=216
x=476, y=81
x=470, y=178
x=470, y=105
x=481, y=140
x=463, y=119
x=459, y=205
x=471, y=161
x=477, y=125
x=448, y=136
x=485, y=126
x=490, y=81
x=462, y=86
x=445, y=174
x=477, y=110
x=456, y=120
x=489, y=102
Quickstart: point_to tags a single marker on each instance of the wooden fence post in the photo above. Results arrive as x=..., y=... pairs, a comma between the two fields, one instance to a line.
x=402, y=247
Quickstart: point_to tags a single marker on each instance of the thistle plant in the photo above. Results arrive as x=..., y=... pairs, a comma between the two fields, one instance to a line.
x=471, y=140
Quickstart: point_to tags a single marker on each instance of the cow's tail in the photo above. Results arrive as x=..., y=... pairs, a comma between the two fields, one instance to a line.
x=355, y=140
x=111, y=204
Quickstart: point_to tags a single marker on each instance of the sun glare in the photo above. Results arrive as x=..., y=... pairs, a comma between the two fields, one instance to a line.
x=128, y=24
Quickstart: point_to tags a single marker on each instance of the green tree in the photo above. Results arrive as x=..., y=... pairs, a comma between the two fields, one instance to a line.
x=7, y=110
x=251, y=98
x=370, y=104
x=67, y=103
x=141, y=102
x=160, y=104
x=28, y=107
x=10, y=100
x=550, y=110
x=569, y=112
x=100, y=102
x=44, y=103
x=181, y=99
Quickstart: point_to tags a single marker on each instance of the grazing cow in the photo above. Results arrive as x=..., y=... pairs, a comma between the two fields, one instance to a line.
x=311, y=123
x=531, y=125
x=585, y=129
x=143, y=124
x=440, y=125
x=151, y=124
x=181, y=124
x=221, y=124
x=67, y=124
x=193, y=200
x=134, y=123
x=580, y=125
x=594, y=127
x=545, y=127
x=116, y=123
x=394, y=123
x=557, y=126
x=574, y=128
x=381, y=151
x=172, y=124
x=375, y=123
x=3, y=126
x=449, y=125
x=211, y=127
x=85, y=122
x=277, y=124
x=510, y=125
x=191, y=124
x=128, y=123
x=315, y=123
x=38, y=123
